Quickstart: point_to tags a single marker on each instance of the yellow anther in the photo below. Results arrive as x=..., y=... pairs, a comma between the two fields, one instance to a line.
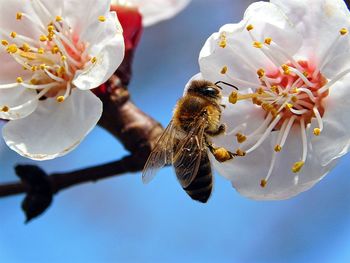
x=58, y=18
x=221, y=154
x=343, y=31
x=5, y=109
x=55, y=50
x=305, y=74
x=241, y=138
x=250, y=27
x=273, y=112
x=278, y=148
x=61, y=70
x=294, y=99
x=224, y=70
x=286, y=69
x=274, y=89
x=260, y=72
x=267, y=106
x=34, y=68
x=260, y=91
x=43, y=38
x=33, y=81
x=256, y=101
x=41, y=50
x=25, y=47
x=263, y=183
x=4, y=42
x=19, y=80
x=268, y=40
x=13, y=34
x=19, y=16
x=257, y=44
x=239, y=152
x=12, y=49
x=63, y=58
x=93, y=60
x=295, y=90
x=42, y=66
x=102, y=18
x=317, y=131
x=222, y=43
x=297, y=166
x=233, y=97
x=60, y=99
x=289, y=105
x=50, y=28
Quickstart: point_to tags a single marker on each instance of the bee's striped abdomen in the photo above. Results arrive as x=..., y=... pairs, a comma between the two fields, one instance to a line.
x=202, y=185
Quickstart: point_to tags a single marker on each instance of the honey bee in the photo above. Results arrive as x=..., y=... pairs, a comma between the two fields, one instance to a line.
x=186, y=140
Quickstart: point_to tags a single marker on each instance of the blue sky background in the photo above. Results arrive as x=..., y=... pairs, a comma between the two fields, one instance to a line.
x=121, y=220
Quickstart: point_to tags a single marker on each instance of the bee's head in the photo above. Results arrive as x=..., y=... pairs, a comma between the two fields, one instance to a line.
x=205, y=89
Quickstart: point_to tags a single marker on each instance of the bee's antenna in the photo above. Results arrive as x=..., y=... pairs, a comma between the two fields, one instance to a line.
x=228, y=84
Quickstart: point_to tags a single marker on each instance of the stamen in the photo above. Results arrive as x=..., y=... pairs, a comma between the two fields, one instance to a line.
x=298, y=112
x=317, y=131
x=333, y=81
x=318, y=118
x=302, y=76
x=101, y=18
x=265, y=135
x=285, y=54
x=297, y=166
x=308, y=92
x=286, y=132
x=323, y=61
x=303, y=138
x=58, y=79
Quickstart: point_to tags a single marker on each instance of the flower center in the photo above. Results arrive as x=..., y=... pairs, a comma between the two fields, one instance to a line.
x=52, y=59
x=291, y=94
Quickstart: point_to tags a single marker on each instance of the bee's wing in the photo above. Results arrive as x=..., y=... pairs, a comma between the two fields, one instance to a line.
x=188, y=155
x=161, y=155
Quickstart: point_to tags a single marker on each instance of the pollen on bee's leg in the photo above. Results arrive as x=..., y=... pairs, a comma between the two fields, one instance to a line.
x=221, y=154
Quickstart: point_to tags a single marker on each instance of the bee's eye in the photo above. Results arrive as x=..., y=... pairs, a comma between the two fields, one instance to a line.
x=209, y=91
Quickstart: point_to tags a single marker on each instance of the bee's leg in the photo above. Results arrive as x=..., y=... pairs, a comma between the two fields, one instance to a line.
x=221, y=129
x=220, y=153
x=223, y=105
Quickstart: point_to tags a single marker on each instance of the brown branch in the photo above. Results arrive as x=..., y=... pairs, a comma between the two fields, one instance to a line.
x=136, y=130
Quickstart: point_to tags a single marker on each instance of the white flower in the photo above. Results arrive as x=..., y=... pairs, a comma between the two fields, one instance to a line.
x=154, y=11
x=290, y=61
x=52, y=53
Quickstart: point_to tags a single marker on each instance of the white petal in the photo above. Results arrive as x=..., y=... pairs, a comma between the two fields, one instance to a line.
x=319, y=22
x=14, y=98
x=239, y=56
x=245, y=173
x=107, y=45
x=89, y=10
x=10, y=70
x=54, y=129
x=334, y=140
x=9, y=23
x=336, y=64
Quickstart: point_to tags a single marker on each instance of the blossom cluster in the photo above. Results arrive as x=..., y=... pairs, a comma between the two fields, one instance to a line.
x=290, y=62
